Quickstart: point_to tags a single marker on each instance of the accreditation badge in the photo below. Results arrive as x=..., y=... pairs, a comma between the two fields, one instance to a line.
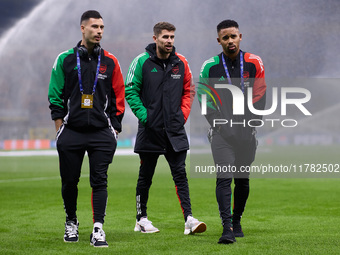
x=86, y=101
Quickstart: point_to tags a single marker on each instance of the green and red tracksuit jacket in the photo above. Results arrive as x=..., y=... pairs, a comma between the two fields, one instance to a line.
x=65, y=97
x=220, y=101
x=161, y=98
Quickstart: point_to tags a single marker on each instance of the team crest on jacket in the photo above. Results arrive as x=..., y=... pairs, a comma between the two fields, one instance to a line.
x=246, y=78
x=245, y=75
x=102, y=68
x=175, y=71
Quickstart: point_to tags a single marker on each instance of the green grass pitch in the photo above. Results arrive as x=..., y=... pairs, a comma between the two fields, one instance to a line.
x=283, y=216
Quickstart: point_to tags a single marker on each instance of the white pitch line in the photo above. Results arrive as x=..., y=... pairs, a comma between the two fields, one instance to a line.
x=35, y=179
x=28, y=153
x=119, y=152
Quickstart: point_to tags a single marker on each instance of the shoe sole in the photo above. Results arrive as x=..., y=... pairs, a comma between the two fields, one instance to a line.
x=69, y=241
x=147, y=232
x=200, y=228
x=226, y=241
x=239, y=235
x=136, y=229
x=102, y=246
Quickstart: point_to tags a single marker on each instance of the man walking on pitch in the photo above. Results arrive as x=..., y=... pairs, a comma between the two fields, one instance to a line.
x=86, y=95
x=160, y=92
x=232, y=145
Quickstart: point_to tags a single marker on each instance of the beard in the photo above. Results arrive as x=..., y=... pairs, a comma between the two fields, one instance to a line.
x=164, y=50
x=232, y=51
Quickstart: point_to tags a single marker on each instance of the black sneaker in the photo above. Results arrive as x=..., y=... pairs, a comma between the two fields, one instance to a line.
x=227, y=236
x=71, y=231
x=237, y=229
x=97, y=238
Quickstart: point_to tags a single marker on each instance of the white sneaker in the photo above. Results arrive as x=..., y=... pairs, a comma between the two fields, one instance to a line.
x=193, y=226
x=145, y=226
x=71, y=231
x=97, y=238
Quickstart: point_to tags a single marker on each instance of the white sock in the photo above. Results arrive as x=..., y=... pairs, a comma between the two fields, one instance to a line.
x=98, y=225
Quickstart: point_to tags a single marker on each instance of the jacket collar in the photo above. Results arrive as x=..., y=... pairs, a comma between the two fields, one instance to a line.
x=151, y=49
x=228, y=60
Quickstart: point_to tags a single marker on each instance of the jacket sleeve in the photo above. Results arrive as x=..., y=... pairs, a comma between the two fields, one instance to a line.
x=259, y=87
x=205, y=88
x=118, y=96
x=133, y=86
x=188, y=90
x=55, y=90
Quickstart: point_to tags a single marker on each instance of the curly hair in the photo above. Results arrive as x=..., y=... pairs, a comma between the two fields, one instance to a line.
x=226, y=24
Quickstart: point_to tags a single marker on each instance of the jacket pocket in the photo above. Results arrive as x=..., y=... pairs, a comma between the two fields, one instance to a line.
x=59, y=132
x=178, y=121
x=113, y=131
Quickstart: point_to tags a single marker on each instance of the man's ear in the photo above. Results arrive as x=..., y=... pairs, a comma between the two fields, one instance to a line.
x=218, y=40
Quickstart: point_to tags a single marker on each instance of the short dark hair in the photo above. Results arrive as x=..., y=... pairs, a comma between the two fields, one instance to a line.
x=90, y=14
x=226, y=24
x=157, y=29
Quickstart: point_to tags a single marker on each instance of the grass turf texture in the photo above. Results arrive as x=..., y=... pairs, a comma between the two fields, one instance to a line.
x=283, y=216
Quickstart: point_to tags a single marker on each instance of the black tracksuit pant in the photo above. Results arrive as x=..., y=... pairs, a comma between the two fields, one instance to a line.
x=176, y=162
x=235, y=156
x=72, y=145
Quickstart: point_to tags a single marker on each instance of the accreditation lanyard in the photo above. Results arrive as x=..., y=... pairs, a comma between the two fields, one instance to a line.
x=241, y=67
x=79, y=75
